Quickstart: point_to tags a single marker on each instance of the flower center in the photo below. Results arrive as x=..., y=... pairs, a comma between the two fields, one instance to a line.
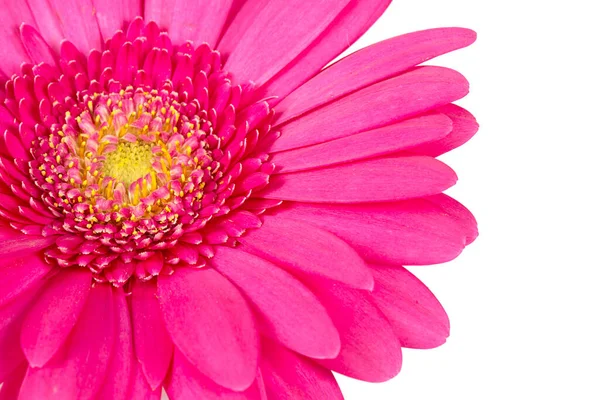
x=129, y=162
x=137, y=170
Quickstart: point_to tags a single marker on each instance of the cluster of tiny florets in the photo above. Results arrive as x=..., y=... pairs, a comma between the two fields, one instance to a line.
x=135, y=153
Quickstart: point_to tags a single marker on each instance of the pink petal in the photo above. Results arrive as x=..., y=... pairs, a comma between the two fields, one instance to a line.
x=378, y=142
x=460, y=213
x=11, y=319
x=266, y=36
x=287, y=375
x=53, y=316
x=378, y=105
x=153, y=346
x=74, y=20
x=236, y=5
x=79, y=373
x=373, y=64
x=312, y=251
x=290, y=312
x=417, y=317
x=22, y=245
x=195, y=305
x=120, y=368
x=17, y=275
x=186, y=382
x=36, y=46
x=9, y=390
x=464, y=126
x=350, y=24
x=139, y=389
x=199, y=21
x=386, y=179
x=113, y=14
x=415, y=232
x=12, y=52
x=370, y=350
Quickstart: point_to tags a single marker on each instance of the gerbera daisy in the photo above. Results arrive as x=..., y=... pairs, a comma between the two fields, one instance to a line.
x=189, y=201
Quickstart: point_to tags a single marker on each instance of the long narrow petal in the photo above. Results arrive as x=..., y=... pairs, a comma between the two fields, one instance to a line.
x=199, y=21
x=378, y=142
x=265, y=36
x=195, y=305
x=120, y=369
x=386, y=179
x=153, y=346
x=414, y=232
x=12, y=53
x=370, y=350
x=23, y=245
x=313, y=251
x=139, y=388
x=464, y=126
x=74, y=20
x=112, y=15
x=460, y=213
x=417, y=317
x=54, y=314
x=11, y=320
x=36, y=46
x=12, y=384
x=353, y=21
x=19, y=274
x=286, y=375
x=236, y=6
x=381, y=104
x=291, y=313
x=79, y=373
x=371, y=65
x=186, y=382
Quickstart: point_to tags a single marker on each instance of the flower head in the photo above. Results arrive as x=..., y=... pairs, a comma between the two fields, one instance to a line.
x=188, y=201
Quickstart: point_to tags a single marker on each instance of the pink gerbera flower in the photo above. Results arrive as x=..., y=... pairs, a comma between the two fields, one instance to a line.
x=188, y=201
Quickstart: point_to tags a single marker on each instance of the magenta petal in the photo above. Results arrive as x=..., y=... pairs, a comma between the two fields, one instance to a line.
x=112, y=14
x=371, y=65
x=139, y=388
x=52, y=317
x=350, y=24
x=236, y=6
x=378, y=142
x=186, y=382
x=11, y=319
x=195, y=305
x=12, y=53
x=291, y=313
x=23, y=245
x=79, y=372
x=199, y=21
x=417, y=317
x=414, y=232
x=74, y=20
x=386, y=179
x=36, y=46
x=286, y=375
x=153, y=346
x=313, y=251
x=120, y=368
x=12, y=384
x=266, y=36
x=19, y=274
x=460, y=213
x=380, y=104
x=370, y=350
x=464, y=126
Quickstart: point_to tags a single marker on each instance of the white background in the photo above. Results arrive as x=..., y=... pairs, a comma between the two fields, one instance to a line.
x=524, y=299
